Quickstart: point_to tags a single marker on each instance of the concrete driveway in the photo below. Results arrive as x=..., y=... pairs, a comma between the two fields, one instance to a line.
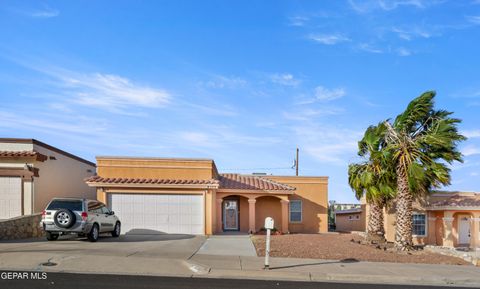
x=139, y=244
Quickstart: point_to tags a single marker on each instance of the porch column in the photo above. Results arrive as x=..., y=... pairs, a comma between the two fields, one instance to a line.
x=474, y=231
x=432, y=222
x=251, y=215
x=447, y=229
x=219, y=215
x=285, y=216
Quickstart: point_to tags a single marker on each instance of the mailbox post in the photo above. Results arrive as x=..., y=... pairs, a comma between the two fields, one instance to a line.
x=268, y=226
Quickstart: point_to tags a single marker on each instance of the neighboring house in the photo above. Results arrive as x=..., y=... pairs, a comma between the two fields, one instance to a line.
x=449, y=219
x=189, y=196
x=334, y=207
x=32, y=172
x=350, y=220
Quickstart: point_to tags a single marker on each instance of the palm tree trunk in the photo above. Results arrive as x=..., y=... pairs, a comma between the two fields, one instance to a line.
x=403, y=228
x=375, y=228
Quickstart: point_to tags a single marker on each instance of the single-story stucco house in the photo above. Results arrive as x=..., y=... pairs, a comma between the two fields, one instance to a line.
x=350, y=220
x=32, y=173
x=449, y=219
x=176, y=195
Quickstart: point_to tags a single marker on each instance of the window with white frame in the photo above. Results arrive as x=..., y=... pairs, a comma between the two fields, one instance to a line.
x=419, y=225
x=295, y=211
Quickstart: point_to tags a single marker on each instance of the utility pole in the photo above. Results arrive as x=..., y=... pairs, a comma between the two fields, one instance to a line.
x=296, y=164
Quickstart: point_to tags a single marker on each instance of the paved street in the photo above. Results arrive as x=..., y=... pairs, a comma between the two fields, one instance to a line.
x=180, y=256
x=81, y=281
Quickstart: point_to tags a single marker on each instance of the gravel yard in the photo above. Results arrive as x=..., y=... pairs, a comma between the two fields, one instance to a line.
x=340, y=247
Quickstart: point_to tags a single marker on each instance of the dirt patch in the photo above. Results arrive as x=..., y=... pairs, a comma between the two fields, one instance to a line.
x=344, y=247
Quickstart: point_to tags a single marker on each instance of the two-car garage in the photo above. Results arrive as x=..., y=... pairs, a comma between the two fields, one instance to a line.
x=168, y=213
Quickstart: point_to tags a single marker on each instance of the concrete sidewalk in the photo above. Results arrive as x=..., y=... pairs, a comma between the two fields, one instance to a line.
x=245, y=267
x=228, y=245
x=331, y=270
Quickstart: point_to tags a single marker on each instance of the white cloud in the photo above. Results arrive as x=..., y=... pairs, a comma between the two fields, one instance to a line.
x=411, y=33
x=113, y=92
x=471, y=133
x=221, y=81
x=366, y=6
x=196, y=138
x=285, y=79
x=369, y=48
x=328, y=39
x=298, y=21
x=473, y=19
x=224, y=137
x=106, y=91
x=46, y=13
x=394, y=4
x=403, y=51
x=325, y=94
x=328, y=144
x=309, y=114
x=470, y=150
x=72, y=124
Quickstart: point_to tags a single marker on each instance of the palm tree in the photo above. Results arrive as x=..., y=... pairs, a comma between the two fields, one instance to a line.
x=420, y=142
x=373, y=179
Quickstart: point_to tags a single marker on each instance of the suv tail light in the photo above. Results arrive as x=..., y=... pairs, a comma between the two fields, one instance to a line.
x=43, y=215
x=84, y=216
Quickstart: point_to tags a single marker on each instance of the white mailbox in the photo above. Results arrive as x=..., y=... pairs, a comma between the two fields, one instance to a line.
x=268, y=223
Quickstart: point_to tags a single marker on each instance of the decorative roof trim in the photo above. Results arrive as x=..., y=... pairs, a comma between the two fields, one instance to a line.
x=23, y=154
x=97, y=181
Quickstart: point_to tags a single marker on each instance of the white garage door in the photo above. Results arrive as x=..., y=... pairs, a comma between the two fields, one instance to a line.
x=181, y=214
x=10, y=197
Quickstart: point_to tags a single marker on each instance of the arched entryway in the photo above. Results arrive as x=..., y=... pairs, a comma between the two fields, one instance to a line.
x=268, y=206
x=234, y=214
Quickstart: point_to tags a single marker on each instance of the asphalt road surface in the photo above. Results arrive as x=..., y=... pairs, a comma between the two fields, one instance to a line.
x=82, y=281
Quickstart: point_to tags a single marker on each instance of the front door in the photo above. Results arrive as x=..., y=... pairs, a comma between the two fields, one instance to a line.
x=230, y=215
x=463, y=230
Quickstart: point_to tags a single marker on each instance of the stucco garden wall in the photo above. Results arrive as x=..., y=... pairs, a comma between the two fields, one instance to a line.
x=23, y=227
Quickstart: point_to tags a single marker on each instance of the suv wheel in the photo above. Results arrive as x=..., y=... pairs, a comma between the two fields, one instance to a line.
x=51, y=237
x=116, y=230
x=64, y=218
x=93, y=235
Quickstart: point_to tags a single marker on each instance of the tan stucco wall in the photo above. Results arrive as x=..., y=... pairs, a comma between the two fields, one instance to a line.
x=62, y=177
x=343, y=222
x=156, y=168
x=268, y=207
x=313, y=191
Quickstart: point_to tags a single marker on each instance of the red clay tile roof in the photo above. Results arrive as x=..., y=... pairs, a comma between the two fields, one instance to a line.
x=99, y=179
x=458, y=200
x=22, y=154
x=249, y=182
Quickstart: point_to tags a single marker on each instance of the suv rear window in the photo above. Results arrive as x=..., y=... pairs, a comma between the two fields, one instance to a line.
x=65, y=204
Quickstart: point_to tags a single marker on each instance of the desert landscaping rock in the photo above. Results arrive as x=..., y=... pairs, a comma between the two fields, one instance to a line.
x=341, y=247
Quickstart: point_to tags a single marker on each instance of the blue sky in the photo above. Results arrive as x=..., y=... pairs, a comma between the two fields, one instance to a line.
x=242, y=82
